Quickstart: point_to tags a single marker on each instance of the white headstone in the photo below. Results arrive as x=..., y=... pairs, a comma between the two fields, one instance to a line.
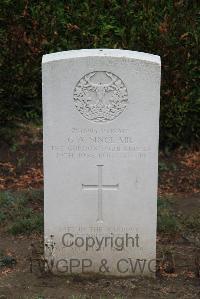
x=101, y=130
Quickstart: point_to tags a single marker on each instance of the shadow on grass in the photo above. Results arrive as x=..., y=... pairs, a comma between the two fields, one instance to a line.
x=171, y=221
x=21, y=211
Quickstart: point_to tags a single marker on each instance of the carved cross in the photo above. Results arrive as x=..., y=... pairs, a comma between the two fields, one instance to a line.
x=100, y=187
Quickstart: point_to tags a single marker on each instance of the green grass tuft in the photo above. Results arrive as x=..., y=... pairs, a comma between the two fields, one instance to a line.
x=18, y=214
x=167, y=221
x=27, y=225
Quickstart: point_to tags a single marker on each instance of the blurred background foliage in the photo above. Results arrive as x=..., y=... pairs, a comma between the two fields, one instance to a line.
x=168, y=28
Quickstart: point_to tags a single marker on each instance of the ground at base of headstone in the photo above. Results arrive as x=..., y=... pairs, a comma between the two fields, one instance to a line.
x=178, y=265
x=17, y=281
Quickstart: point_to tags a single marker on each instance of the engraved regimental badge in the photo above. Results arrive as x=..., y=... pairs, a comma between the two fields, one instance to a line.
x=100, y=96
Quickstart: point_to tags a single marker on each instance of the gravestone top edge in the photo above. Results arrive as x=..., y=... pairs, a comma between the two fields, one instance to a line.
x=113, y=53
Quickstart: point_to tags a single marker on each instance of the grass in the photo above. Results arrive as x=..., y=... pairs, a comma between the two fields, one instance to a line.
x=27, y=226
x=21, y=211
x=171, y=222
x=167, y=221
x=6, y=260
x=192, y=223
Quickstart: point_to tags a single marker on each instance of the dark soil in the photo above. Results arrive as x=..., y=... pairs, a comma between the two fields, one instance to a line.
x=18, y=282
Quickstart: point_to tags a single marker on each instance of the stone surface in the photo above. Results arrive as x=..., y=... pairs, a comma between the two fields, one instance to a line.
x=101, y=130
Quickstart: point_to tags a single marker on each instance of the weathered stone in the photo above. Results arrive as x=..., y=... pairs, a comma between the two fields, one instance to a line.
x=101, y=115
